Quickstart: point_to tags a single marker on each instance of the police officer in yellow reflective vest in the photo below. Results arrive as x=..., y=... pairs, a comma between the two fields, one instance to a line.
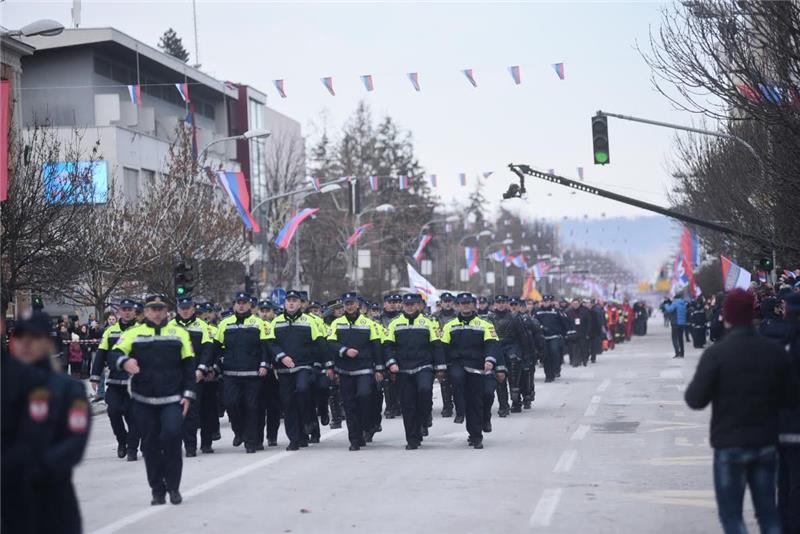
x=471, y=350
x=414, y=353
x=117, y=398
x=241, y=343
x=355, y=342
x=296, y=344
x=203, y=413
x=161, y=363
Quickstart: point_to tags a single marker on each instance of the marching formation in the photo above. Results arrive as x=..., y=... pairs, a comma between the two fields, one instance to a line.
x=312, y=365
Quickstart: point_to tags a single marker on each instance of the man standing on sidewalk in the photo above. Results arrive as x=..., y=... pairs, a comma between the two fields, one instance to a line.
x=747, y=379
x=677, y=311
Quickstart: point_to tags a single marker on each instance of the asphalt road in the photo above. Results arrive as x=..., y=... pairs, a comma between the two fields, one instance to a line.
x=608, y=448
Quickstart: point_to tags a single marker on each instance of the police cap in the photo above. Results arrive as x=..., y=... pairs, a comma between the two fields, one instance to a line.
x=35, y=324
x=412, y=298
x=350, y=297
x=446, y=297
x=185, y=302
x=294, y=294
x=501, y=298
x=241, y=296
x=465, y=298
x=127, y=304
x=155, y=301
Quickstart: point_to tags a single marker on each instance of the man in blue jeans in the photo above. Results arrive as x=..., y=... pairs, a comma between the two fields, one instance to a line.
x=677, y=314
x=747, y=379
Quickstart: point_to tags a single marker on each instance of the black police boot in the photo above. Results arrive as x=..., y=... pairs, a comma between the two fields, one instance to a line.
x=368, y=435
x=459, y=419
x=216, y=437
x=387, y=414
x=132, y=456
x=272, y=442
x=526, y=404
x=516, y=408
x=237, y=440
x=249, y=450
x=260, y=446
x=293, y=446
x=175, y=497
x=336, y=423
x=207, y=449
x=487, y=426
x=429, y=422
x=412, y=445
x=424, y=430
x=477, y=443
x=122, y=451
x=159, y=497
x=303, y=443
x=355, y=446
x=191, y=453
x=324, y=418
x=470, y=441
x=447, y=411
x=503, y=412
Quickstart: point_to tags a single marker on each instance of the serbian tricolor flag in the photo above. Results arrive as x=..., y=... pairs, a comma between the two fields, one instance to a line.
x=183, y=90
x=519, y=261
x=749, y=93
x=402, y=182
x=360, y=230
x=234, y=184
x=559, y=68
x=462, y=179
x=327, y=81
x=500, y=255
x=690, y=253
x=369, y=85
x=433, y=180
x=314, y=183
x=580, y=173
x=423, y=244
x=136, y=94
x=470, y=77
x=4, y=125
x=373, y=183
x=539, y=270
x=191, y=123
x=414, y=78
x=279, y=85
x=286, y=234
x=515, y=75
x=734, y=276
x=471, y=255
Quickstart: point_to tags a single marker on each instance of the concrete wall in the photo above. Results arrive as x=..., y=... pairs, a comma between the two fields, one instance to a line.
x=56, y=86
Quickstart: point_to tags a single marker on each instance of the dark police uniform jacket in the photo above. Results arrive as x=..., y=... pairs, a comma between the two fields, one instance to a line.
x=200, y=336
x=241, y=345
x=116, y=377
x=412, y=342
x=300, y=337
x=360, y=333
x=470, y=342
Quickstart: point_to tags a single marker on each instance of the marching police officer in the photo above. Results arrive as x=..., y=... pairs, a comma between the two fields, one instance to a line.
x=325, y=389
x=270, y=408
x=241, y=346
x=554, y=328
x=118, y=401
x=355, y=342
x=470, y=345
x=296, y=344
x=445, y=314
x=514, y=342
x=51, y=430
x=202, y=414
x=335, y=309
x=161, y=363
x=414, y=353
x=392, y=304
x=535, y=346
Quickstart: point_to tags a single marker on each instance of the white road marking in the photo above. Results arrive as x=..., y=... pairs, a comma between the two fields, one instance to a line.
x=197, y=490
x=546, y=507
x=591, y=410
x=595, y=399
x=580, y=433
x=566, y=461
x=603, y=385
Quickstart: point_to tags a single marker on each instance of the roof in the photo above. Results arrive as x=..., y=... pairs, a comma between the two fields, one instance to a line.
x=11, y=43
x=88, y=36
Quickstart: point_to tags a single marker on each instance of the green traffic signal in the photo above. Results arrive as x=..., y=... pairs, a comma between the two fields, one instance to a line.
x=601, y=157
x=180, y=290
x=600, y=140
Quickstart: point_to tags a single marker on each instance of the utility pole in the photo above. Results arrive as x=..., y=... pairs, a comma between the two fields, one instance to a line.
x=197, y=64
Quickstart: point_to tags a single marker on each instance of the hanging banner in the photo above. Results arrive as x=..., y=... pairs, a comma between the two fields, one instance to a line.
x=327, y=81
x=136, y=94
x=734, y=276
x=419, y=284
x=183, y=90
x=235, y=185
x=423, y=244
x=373, y=183
x=559, y=68
x=402, y=182
x=5, y=122
x=462, y=179
x=433, y=180
x=284, y=237
x=471, y=255
x=366, y=79
x=359, y=231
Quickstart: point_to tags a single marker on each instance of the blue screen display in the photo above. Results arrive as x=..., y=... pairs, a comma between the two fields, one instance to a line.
x=91, y=178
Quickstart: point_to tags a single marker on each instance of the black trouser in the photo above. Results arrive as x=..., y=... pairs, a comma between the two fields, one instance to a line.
x=191, y=423
x=390, y=392
x=416, y=400
x=699, y=336
x=377, y=403
x=511, y=354
x=119, y=411
x=242, y=402
x=357, y=396
x=455, y=377
x=63, y=514
x=447, y=396
x=527, y=388
x=552, y=354
x=160, y=427
x=595, y=347
x=320, y=394
x=578, y=352
x=677, y=339
x=207, y=403
x=269, y=413
x=789, y=487
x=298, y=411
x=335, y=403
x=489, y=388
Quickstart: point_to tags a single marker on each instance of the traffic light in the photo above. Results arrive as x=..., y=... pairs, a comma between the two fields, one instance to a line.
x=37, y=302
x=765, y=264
x=183, y=278
x=249, y=285
x=600, y=140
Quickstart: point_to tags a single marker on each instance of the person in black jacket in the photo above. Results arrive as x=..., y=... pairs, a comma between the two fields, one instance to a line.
x=789, y=434
x=747, y=379
x=578, y=335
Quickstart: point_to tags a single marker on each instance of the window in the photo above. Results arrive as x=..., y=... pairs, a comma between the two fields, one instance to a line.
x=149, y=179
x=130, y=185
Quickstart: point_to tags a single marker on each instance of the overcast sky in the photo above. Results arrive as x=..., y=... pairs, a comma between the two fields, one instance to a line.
x=544, y=122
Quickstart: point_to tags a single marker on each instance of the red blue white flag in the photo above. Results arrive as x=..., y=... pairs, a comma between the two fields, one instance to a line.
x=515, y=74
x=234, y=184
x=327, y=81
x=499, y=255
x=373, y=183
x=470, y=77
x=286, y=234
x=488, y=174
x=402, y=182
x=136, y=94
x=462, y=179
x=471, y=255
x=433, y=179
x=314, y=181
x=279, y=85
x=559, y=68
x=369, y=85
x=360, y=230
x=183, y=90
x=423, y=244
x=414, y=78
x=519, y=261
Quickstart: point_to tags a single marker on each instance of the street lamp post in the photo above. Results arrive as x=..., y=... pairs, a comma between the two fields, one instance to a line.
x=42, y=27
x=382, y=208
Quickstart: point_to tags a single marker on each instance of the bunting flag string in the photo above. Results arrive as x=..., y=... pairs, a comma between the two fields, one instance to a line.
x=470, y=77
x=234, y=184
x=327, y=81
x=373, y=183
x=183, y=90
x=471, y=255
x=414, y=78
x=402, y=182
x=366, y=79
x=423, y=244
x=433, y=180
x=515, y=74
x=136, y=94
x=559, y=68
x=359, y=231
x=499, y=255
x=519, y=261
x=284, y=237
x=279, y=85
